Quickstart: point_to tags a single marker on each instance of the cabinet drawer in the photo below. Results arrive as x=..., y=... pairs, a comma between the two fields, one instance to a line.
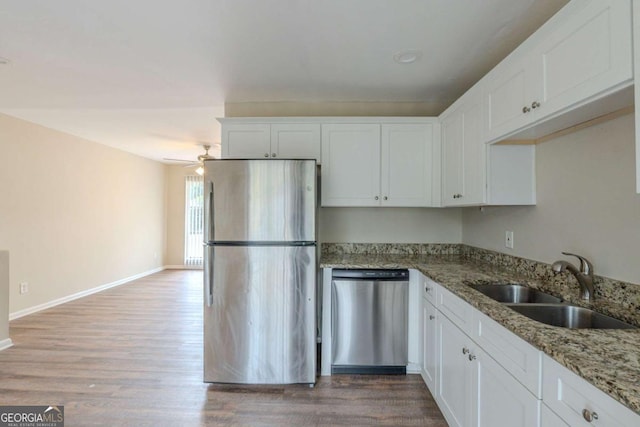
x=515, y=355
x=573, y=399
x=456, y=309
x=429, y=289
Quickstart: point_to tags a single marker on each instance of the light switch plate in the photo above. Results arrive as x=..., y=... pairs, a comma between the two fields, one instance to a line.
x=508, y=239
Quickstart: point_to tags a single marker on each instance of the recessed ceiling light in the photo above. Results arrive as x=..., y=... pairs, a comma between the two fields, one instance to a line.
x=407, y=56
x=4, y=61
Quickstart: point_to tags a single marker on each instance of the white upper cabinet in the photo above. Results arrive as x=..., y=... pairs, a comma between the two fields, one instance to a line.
x=386, y=164
x=464, y=161
x=295, y=141
x=246, y=141
x=350, y=165
x=407, y=169
x=242, y=139
x=582, y=54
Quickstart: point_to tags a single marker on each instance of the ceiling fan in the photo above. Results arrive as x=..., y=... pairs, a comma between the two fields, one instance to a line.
x=199, y=162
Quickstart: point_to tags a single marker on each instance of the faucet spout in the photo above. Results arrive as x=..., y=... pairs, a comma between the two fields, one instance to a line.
x=584, y=275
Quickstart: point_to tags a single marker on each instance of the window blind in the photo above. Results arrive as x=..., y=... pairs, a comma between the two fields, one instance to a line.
x=193, y=220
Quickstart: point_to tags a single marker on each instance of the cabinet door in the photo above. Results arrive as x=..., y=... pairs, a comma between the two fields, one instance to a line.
x=429, y=345
x=464, y=155
x=576, y=401
x=509, y=96
x=295, y=141
x=407, y=164
x=350, y=165
x=548, y=418
x=499, y=399
x=590, y=53
x=454, y=382
x=246, y=141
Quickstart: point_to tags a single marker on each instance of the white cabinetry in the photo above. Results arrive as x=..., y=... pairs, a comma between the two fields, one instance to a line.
x=479, y=366
x=475, y=173
x=463, y=160
x=578, y=403
x=242, y=139
x=430, y=349
x=351, y=165
x=581, y=54
x=499, y=400
x=386, y=164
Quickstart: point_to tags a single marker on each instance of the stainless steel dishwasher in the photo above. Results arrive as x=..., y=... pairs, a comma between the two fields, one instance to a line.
x=369, y=321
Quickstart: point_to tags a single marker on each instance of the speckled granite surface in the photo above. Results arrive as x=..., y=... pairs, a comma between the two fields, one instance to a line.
x=609, y=359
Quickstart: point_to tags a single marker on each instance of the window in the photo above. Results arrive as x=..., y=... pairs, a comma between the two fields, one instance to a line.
x=193, y=220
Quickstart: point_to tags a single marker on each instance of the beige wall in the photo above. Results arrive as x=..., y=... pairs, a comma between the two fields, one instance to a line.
x=392, y=225
x=586, y=204
x=4, y=297
x=75, y=214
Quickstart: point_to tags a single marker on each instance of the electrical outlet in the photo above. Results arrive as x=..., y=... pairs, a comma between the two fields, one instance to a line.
x=508, y=239
x=24, y=288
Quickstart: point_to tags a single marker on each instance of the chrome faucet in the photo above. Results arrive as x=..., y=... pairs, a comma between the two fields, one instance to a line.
x=584, y=275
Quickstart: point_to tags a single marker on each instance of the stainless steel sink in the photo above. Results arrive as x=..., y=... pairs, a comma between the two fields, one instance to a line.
x=515, y=294
x=569, y=316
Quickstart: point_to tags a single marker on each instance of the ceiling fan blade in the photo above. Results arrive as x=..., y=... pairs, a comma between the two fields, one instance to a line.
x=180, y=160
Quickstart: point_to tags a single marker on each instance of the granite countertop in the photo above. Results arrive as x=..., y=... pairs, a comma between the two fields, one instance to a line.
x=608, y=359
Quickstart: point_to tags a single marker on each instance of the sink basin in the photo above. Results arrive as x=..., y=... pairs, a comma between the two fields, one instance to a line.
x=515, y=294
x=569, y=316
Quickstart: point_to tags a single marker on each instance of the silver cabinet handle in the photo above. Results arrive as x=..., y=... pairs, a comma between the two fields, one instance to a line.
x=589, y=415
x=431, y=317
x=376, y=197
x=535, y=104
x=273, y=154
x=526, y=109
x=472, y=357
x=465, y=350
x=266, y=154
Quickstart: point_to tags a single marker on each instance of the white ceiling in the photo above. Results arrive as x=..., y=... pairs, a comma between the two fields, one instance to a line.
x=150, y=76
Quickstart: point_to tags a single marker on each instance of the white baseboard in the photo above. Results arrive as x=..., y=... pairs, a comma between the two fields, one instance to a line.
x=6, y=343
x=21, y=313
x=183, y=267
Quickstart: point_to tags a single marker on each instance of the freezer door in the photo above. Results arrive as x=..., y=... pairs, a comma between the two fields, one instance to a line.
x=260, y=200
x=260, y=326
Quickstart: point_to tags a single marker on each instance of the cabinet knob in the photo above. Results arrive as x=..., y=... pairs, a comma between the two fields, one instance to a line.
x=273, y=154
x=431, y=317
x=535, y=104
x=266, y=154
x=526, y=109
x=427, y=289
x=465, y=350
x=589, y=415
x=384, y=198
x=472, y=357
x=376, y=197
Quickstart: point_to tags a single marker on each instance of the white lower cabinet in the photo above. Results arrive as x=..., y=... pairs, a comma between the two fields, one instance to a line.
x=455, y=374
x=579, y=403
x=500, y=400
x=548, y=418
x=429, y=345
x=474, y=390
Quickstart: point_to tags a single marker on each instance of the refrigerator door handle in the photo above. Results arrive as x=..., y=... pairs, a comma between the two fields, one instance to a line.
x=210, y=226
x=208, y=274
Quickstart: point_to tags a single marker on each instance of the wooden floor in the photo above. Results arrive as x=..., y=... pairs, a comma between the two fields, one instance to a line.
x=132, y=356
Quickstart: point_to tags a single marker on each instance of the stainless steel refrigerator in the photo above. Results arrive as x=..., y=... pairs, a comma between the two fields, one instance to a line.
x=260, y=271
